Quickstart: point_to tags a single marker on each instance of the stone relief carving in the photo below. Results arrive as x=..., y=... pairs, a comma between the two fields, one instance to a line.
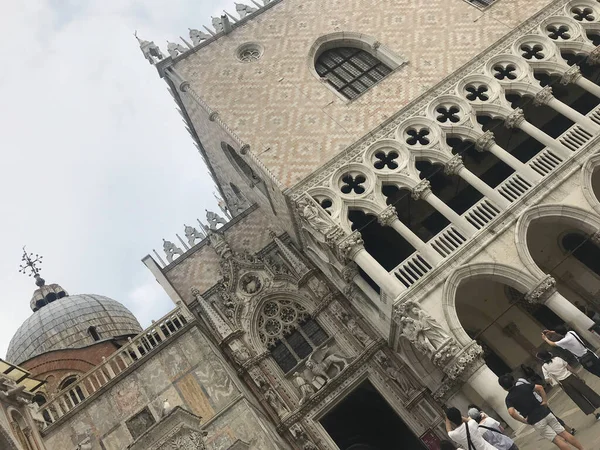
x=171, y=250
x=542, y=291
x=310, y=213
x=322, y=360
x=454, y=165
x=514, y=119
x=421, y=190
x=403, y=382
x=350, y=322
x=424, y=333
x=387, y=216
x=306, y=389
x=218, y=242
x=302, y=437
x=192, y=440
x=349, y=246
x=275, y=402
x=467, y=362
x=485, y=141
x=251, y=284
x=571, y=75
x=543, y=97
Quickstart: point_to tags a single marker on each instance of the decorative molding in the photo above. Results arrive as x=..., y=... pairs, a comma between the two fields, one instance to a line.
x=539, y=294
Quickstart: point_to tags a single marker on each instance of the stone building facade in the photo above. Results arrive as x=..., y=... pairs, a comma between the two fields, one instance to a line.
x=411, y=193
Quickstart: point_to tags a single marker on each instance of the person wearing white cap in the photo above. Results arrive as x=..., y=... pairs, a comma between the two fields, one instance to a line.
x=491, y=431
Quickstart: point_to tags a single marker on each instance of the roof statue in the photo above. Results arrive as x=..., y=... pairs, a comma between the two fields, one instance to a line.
x=217, y=23
x=244, y=10
x=222, y=205
x=214, y=220
x=150, y=50
x=198, y=36
x=171, y=250
x=174, y=49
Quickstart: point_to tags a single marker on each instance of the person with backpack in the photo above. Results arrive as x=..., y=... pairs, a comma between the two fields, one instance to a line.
x=464, y=431
x=491, y=431
x=524, y=407
x=573, y=343
x=557, y=371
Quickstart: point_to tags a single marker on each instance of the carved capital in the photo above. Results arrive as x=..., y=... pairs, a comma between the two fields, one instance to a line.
x=466, y=362
x=571, y=75
x=213, y=116
x=376, y=45
x=421, y=190
x=514, y=119
x=485, y=141
x=349, y=272
x=594, y=57
x=387, y=216
x=543, y=97
x=454, y=165
x=348, y=248
x=539, y=294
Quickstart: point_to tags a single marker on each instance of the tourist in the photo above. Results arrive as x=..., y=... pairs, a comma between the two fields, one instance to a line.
x=491, y=431
x=539, y=399
x=524, y=407
x=572, y=342
x=557, y=371
x=464, y=431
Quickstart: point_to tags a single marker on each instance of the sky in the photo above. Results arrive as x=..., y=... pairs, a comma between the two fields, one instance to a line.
x=96, y=165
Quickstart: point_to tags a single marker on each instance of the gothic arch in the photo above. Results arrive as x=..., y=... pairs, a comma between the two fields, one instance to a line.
x=587, y=173
x=6, y=440
x=511, y=276
x=352, y=39
x=582, y=220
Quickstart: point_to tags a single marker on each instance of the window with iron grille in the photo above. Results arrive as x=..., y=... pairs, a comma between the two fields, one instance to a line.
x=351, y=71
x=481, y=4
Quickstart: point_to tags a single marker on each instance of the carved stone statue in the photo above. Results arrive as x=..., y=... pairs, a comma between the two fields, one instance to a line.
x=319, y=362
x=218, y=242
x=36, y=415
x=171, y=250
x=192, y=235
x=306, y=389
x=276, y=402
x=311, y=214
x=355, y=329
x=198, y=36
x=241, y=355
x=174, y=49
x=431, y=330
x=395, y=375
x=214, y=220
x=244, y=10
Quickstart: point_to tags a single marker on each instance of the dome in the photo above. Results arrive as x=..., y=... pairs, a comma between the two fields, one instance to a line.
x=65, y=323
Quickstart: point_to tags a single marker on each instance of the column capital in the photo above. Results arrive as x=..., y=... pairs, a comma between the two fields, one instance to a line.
x=350, y=246
x=454, y=165
x=387, y=216
x=514, y=119
x=595, y=238
x=543, y=97
x=542, y=291
x=466, y=362
x=421, y=190
x=349, y=272
x=571, y=75
x=594, y=57
x=485, y=141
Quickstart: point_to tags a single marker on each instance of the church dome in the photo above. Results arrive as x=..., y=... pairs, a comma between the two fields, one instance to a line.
x=69, y=322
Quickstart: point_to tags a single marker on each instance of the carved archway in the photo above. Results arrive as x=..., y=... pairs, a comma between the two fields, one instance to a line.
x=590, y=181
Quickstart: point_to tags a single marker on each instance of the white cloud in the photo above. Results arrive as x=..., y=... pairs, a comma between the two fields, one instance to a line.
x=96, y=165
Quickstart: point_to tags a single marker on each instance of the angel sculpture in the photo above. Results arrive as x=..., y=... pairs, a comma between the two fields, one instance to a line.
x=319, y=362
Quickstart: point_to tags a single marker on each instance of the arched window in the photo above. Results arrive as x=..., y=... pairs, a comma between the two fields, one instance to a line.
x=583, y=249
x=40, y=400
x=22, y=431
x=241, y=165
x=350, y=70
x=75, y=394
x=289, y=332
x=93, y=332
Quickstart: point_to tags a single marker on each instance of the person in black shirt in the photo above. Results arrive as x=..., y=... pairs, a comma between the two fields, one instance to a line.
x=524, y=407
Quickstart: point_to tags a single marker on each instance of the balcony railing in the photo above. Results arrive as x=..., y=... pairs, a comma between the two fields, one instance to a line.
x=412, y=269
x=447, y=241
x=135, y=350
x=481, y=213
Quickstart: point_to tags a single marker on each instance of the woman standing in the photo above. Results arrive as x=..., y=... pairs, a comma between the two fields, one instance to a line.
x=556, y=370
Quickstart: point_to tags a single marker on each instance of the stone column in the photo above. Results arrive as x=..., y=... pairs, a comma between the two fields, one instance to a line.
x=517, y=120
x=545, y=292
x=455, y=166
x=485, y=383
x=573, y=75
x=351, y=248
x=486, y=143
x=388, y=218
x=545, y=97
x=423, y=191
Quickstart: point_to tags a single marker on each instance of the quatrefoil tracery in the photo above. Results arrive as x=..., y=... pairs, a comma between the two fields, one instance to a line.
x=477, y=93
x=417, y=136
x=558, y=32
x=583, y=13
x=448, y=114
x=353, y=183
x=532, y=51
x=384, y=160
x=505, y=72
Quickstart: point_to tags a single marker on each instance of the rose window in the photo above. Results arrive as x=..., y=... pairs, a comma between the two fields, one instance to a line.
x=249, y=52
x=271, y=309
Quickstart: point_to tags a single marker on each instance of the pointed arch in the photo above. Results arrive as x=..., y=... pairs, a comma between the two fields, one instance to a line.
x=590, y=167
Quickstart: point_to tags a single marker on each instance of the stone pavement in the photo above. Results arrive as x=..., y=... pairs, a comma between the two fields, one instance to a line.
x=588, y=429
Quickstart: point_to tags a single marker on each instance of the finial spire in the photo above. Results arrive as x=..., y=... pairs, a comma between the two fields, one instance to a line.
x=30, y=264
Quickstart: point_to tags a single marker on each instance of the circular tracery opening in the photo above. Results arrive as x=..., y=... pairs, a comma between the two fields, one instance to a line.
x=249, y=52
x=279, y=318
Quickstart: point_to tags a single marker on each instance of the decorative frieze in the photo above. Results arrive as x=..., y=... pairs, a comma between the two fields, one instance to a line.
x=540, y=293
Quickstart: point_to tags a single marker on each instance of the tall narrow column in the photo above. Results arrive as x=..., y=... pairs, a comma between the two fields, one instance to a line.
x=486, y=143
x=423, y=191
x=517, y=120
x=352, y=248
x=455, y=166
x=545, y=97
x=389, y=218
x=573, y=75
x=545, y=292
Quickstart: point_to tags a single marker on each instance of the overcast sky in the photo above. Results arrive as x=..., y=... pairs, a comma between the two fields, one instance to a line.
x=97, y=166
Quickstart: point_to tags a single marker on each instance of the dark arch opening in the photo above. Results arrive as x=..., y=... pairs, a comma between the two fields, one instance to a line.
x=588, y=70
x=571, y=94
x=93, y=332
x=76, y=394
x=584, y=250
x=543, y=117
x=383, y=243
